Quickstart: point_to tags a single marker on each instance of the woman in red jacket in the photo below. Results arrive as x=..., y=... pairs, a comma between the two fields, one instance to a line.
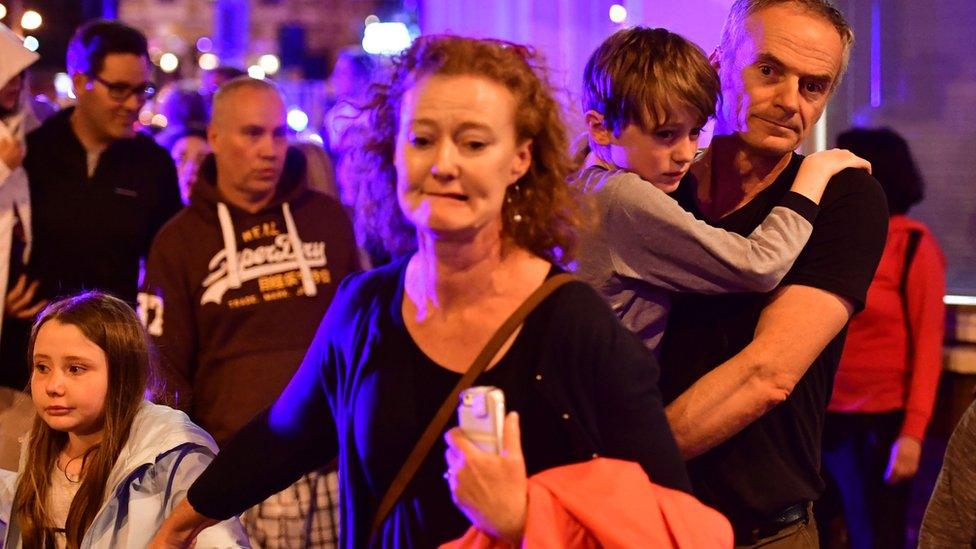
x=886, y=382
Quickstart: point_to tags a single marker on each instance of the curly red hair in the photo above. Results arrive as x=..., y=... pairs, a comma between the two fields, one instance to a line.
x=548, y=215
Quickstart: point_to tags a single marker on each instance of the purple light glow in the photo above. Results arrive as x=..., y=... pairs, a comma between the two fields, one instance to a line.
x=204, y=44
x=876, y=53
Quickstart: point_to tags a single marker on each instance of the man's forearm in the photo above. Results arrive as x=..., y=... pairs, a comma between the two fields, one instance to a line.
x=721, y=404
x=793, y=329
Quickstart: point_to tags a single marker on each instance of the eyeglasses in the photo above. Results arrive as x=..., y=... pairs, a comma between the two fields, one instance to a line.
x=121, y=92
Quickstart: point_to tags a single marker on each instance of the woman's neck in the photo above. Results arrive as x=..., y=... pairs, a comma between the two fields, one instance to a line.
x=451, y=273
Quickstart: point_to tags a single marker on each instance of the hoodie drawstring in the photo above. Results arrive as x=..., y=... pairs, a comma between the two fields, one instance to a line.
x=230, y=248
x=308, y=284
x=230, y=245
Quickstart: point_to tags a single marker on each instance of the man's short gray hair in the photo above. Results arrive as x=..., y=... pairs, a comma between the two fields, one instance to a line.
x=231, y=87
x=741, y=9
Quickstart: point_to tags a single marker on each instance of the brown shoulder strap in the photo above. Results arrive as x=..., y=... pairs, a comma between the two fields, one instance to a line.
x=443, y=415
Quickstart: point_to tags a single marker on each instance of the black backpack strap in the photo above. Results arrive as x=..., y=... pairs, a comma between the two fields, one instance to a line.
x=914, y=237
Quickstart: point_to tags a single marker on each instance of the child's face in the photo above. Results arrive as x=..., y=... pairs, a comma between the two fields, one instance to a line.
x=661, y=156
x=69, y=380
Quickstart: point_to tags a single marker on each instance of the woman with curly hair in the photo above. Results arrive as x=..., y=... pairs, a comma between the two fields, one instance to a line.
x=469, y=147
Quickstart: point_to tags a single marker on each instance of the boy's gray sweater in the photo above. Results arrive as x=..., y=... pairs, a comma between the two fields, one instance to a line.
x=644, y=246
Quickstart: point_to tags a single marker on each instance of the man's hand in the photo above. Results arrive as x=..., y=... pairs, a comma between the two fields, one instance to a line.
x=11, y=153
x=905, y=455
x=20, y=302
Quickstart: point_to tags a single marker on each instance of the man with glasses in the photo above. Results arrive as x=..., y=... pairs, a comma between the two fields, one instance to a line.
x=99, y=190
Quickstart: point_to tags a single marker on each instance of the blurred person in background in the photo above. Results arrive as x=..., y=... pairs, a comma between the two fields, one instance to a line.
x=319, y=170
x=186, y=112
x=182, y=106
x=345, y=129
x=213, y=79
x=885, y=387
x=350, y=80
x=188, y=147
x=99, y=190
x=17, y=300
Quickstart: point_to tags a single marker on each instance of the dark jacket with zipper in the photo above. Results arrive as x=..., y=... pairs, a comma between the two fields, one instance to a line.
x=91, y=232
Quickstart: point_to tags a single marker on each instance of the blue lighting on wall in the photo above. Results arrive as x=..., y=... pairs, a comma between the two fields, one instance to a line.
x=876, y=53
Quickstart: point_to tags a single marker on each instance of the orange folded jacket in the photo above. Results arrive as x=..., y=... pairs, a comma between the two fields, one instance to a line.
x=609, y=503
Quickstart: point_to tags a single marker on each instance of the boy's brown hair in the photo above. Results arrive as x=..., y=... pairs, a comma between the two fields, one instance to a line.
x=639, y=75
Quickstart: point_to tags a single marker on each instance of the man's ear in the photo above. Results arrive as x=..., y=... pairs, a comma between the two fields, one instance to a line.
x=597, y=129
x=212, y=137
x=79, y=81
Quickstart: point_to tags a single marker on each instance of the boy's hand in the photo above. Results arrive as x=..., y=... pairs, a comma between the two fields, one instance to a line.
x=819, y=167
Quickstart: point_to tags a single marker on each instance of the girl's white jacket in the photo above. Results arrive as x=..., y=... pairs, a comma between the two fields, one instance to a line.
x=163, y=456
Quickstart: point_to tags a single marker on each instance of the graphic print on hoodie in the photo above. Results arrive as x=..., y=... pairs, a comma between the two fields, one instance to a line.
x=232, y=299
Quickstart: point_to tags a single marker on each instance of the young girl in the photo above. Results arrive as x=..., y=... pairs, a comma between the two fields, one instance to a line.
x=102, y=467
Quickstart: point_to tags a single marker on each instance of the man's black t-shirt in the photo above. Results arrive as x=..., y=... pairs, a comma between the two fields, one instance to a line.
x=775, y=462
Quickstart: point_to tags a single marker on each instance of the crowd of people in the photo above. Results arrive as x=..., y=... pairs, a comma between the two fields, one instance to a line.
x=314, y=312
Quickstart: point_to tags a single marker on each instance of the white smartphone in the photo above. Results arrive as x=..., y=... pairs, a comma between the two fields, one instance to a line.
x=481, y=415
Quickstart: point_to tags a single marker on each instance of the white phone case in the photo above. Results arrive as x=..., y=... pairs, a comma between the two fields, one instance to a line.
x=481, y=415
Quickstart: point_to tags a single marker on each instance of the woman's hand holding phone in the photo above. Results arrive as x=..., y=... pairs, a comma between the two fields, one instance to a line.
x=490, y=489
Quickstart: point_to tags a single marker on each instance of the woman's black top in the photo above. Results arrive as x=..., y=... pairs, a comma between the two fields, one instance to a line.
x=583, y=386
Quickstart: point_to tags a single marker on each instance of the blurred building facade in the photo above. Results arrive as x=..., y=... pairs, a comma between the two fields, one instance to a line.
x=303, y=34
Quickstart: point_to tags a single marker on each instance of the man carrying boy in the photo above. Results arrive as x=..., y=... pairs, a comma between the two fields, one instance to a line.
x=646, y=95
x=749, y=375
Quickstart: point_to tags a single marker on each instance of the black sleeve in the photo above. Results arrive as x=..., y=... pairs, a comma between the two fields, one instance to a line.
x=848, y=238
x=295, y=435
x=620, y=376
